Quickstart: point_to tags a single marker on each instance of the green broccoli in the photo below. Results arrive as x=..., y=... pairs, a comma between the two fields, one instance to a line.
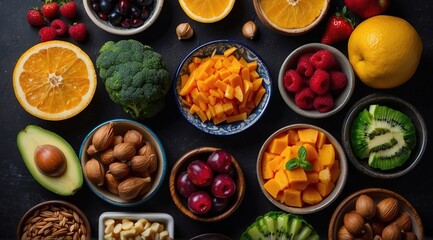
x=135, y=77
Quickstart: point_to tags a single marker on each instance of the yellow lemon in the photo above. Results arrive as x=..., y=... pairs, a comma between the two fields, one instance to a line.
x=207, y=11
x=54, y=80
x=384, y=51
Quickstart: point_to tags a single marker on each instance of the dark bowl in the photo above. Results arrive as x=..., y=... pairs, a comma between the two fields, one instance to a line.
x=397, y=104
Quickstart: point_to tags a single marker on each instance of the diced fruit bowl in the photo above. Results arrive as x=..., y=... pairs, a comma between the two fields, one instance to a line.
x=375, y=211
x=222, y=87
x=301, y=168
x=397, y=136
x=207, y=184
x=123, y=162
x=316, y=80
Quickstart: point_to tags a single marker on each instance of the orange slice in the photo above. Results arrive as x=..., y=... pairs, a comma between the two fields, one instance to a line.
x=292, y=14
x=54, y=80
x=207, y=11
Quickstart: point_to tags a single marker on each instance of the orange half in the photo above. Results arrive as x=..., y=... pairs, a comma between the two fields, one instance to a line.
x=207, y=11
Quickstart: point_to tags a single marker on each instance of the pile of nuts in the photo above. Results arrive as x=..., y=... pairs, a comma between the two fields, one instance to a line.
x=124, y=164
x=382, y=221
x=54, y=222
x=129, y=229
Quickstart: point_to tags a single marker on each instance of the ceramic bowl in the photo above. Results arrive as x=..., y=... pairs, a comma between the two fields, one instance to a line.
x=327, y=199
x=397, y=104
x=290, y=31
x=377, y=194
x=51, y=213
x=219, y=46
x=181, y=165
x=119, y=30
x=340, y=99
x=105, y=218
x=120, y=127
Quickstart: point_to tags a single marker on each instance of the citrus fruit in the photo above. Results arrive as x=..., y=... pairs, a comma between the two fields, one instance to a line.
x=54, y=80
x=207, y=11
x=293, y=14
x=384, y=51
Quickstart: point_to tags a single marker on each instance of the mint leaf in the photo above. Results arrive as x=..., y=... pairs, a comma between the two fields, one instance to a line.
x=292, y=164
x=306, y=165
x=302, y=153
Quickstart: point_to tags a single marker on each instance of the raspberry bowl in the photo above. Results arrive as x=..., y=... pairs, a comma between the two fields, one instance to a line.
x=122, y=17
x=316, y=80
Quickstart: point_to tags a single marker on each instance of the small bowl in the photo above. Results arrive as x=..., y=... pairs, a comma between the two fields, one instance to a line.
x=342, y=98
x=338, y=184
x=290, y=31
x=162, y=218
x=121, y=126
x=119, y=30
x=58, y=209
x=377, y=194
x=211, y=236
x=242, y=51
x=181, y=165
x=397, y=104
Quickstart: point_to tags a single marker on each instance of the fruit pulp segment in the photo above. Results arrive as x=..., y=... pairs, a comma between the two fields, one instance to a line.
x=292, y=13
x=207, y=8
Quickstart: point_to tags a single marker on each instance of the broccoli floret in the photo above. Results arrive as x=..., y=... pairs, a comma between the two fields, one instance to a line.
x=135, y=77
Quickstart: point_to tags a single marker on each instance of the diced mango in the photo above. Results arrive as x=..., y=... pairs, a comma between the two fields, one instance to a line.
x=321, y=139
x=311, y=152
x=312, y=177
x=274, y=164
x=272, y=187
x=308, y=135
x=278, y=144
x=326, y=155
x=325, y=175
x=325, y=189
x=296, y=175
x=292, y=197
x=229, y=51
x=311, y=195
x=293, y=137
x=335, y=171
x=281, y=178
x=299, y=185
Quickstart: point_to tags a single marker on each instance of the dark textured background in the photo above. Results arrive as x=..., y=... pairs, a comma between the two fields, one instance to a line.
x=19, y=191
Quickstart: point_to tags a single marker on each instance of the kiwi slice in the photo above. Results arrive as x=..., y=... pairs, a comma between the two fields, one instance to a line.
x=384, y=136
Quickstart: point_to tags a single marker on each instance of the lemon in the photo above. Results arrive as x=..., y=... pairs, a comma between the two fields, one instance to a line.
x=207, y=11
x=54, y=80
x=384, y=51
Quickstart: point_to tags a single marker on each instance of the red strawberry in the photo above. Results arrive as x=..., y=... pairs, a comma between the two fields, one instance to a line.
x=47, y=34
x=78, y=32
x=60, y=26
x=338, y=28
x=367, y=8
x=35, y=18
x=68, y=9
x=50, y=9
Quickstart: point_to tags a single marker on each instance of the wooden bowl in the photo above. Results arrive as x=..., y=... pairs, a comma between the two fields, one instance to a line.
x=54, y=209
x=377, y=194
x=181, y=203
x=290, y=31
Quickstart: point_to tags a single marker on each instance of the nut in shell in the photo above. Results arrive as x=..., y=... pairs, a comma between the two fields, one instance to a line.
x=249, y=29
x=139, y=164
x=365, y=206
x=184, y=31
x=131, y=187
x=103, y=137
x=107, y=156
x=119, y=170
x=354, y=223
x=111, y=183
x=124, y=151
x=387, y=209
x=95, y=171
x=134, y=137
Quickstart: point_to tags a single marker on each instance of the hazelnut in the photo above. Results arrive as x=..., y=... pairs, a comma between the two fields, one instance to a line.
x=387, y=209
x=354, y=223
x=103, y=137
x=95, y=171
x=124, y=151
x=392, y=232
x=365, y=206
x=184, y=31
x=404, y=221
x=343, y=234
x=50, y=160
x=249, y=29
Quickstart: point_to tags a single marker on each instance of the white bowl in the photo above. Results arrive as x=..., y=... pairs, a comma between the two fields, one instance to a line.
x=106, y=26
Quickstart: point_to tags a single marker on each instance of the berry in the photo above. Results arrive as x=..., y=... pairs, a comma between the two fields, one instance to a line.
x=78, y=32
x=68, y=9
x=47, y=34
x=324, y=103
x=338, y=28
x=304, y=66
x=60, y=26
x=338, y=80
x=367, y=8
x=35, y=18
x=323, y=59
x=220, y=161
x=293, y=82
x=184, y=185
x=319, y=82
x=50, y=9
x=304, y=98
x=223, y=186
x=200, y=173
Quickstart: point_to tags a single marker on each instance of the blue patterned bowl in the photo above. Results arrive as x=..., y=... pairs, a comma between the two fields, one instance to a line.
x=219, y=46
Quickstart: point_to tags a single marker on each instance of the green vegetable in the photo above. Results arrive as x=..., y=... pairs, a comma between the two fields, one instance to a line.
x=300, y=161
x=135, y=77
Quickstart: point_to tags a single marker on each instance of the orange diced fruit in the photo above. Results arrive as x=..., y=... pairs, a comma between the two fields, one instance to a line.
x=278, y=144
x=296, y=175
x=311, y=152
x=325, y=175
x=311, y=195
x=272, y=187
x=308, y=135
x=325, y=188
x=312, y=177
x=229, y=51
x=321, y=139
x=335, y=171
x=292, y=197
x=281, y=178
x=326, y=155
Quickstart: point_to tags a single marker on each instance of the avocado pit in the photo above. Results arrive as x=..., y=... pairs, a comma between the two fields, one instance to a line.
x=50, y=160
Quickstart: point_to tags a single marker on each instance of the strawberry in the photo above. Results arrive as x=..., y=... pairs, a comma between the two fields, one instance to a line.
x=47, y=34
x=78, y=31
x=367, y=8
x=50, y=9
x=68, y=9
x=338, y=28
x=35, y=18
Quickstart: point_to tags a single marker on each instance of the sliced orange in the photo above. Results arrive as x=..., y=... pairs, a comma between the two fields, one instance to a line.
x=207, y=11
x=292, y=14
x=54, y=80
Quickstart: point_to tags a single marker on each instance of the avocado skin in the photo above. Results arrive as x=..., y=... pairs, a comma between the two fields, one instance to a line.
x=67, y=184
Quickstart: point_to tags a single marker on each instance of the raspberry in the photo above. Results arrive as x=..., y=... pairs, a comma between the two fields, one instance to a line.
x=60, y=26
x=305, y=68
x=323, y=59
x=304, y=98
x=319, y=82
x=293, y=82
x=47, y=34
x=324, y=103
x=338, y=80
x=78, y=32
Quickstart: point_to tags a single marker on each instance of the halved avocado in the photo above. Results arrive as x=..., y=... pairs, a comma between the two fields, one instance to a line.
x=66, y=184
